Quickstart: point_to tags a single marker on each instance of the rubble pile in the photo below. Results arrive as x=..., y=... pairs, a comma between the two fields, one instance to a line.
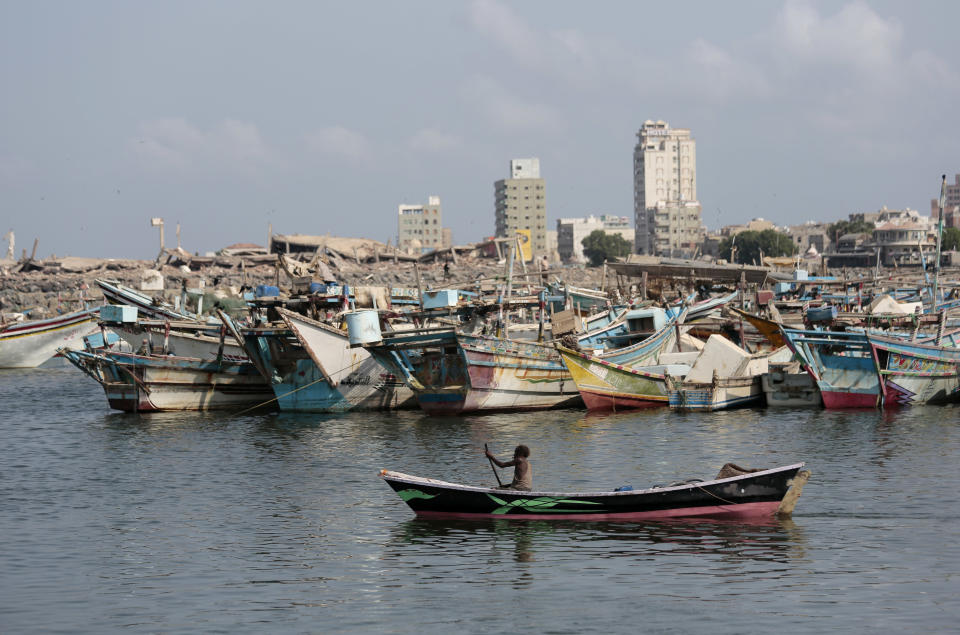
x=47, y=287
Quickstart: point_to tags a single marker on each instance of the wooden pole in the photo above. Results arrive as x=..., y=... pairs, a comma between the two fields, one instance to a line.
x=416, y=269
x=936, y=265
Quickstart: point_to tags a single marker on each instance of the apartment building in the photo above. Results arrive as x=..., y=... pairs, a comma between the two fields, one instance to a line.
x=667, y=214
x=520, y=203
x=420, y=227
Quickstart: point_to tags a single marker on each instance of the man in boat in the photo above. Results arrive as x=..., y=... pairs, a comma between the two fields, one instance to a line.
x=522, y=474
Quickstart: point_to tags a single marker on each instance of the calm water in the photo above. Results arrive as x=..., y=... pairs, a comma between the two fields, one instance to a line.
x=279, y=523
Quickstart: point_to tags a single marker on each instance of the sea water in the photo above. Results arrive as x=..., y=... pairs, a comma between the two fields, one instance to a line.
x=216, y=522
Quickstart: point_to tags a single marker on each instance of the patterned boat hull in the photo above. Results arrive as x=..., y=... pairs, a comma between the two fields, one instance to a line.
x=753, y=495
x=135, y=383
x=513, y=375
x=916, y=373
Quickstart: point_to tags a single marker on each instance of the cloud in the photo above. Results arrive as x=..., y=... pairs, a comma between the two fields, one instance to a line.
x=721, y=76
x=175, y=144
x=850, y=72
x=563, y=53
x=508, y=111
x=855, y=37
x=433, y=140
x=508, y=30
x=341, y=143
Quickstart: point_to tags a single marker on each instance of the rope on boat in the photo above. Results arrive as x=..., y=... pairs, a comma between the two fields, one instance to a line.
x=269, y=401
x=715, y=496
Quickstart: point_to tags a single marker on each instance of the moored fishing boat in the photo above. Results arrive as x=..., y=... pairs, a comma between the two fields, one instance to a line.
x=631, y=377
x=723, y=376
x=181, y=338
x=842, y=363
x=455, y=370
x=753, y=494
x=147, y=383
x=722, y=393
x=312, y=368
x=915, y=373
x=514, y=375
x=28, y=344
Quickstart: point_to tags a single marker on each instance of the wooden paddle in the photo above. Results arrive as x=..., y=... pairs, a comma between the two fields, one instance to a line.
x=495, y=473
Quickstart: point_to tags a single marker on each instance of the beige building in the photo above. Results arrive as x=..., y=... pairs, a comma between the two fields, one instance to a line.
x=572, y=231
x=810, y=235
x=520, y=203
x=420, y=227
x=755, y=225
x=667, y=215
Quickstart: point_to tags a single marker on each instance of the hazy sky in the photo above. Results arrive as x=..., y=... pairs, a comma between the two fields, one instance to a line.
x=324, y=116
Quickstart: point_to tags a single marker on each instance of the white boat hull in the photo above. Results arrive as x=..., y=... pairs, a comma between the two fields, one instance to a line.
x=29, y=344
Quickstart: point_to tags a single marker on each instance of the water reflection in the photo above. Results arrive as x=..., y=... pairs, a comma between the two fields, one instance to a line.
x=772, y=540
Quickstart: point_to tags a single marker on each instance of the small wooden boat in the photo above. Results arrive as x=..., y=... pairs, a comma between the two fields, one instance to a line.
x=745, y=495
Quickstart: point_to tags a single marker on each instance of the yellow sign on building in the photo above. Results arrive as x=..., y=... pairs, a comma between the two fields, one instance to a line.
x=526, y=244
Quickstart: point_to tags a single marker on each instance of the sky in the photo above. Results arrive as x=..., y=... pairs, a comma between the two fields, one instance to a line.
x=322, y=117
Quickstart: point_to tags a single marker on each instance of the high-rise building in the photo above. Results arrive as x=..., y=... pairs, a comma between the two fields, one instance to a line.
x=420, y=227
x=520, y=203
x=667, y=214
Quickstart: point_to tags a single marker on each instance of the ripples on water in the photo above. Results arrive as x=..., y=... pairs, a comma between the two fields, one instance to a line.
x=209, y=522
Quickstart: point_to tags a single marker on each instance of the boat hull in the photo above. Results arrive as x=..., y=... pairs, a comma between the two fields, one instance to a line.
x=790, y=390
x=842, y=364
x=916, y=373
x=200, y=343
x=508, y=375
x=607, y=386
x=723, y=394
x=300, y=385
x=29, y=344
x=135, y=383
x=753, y=495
